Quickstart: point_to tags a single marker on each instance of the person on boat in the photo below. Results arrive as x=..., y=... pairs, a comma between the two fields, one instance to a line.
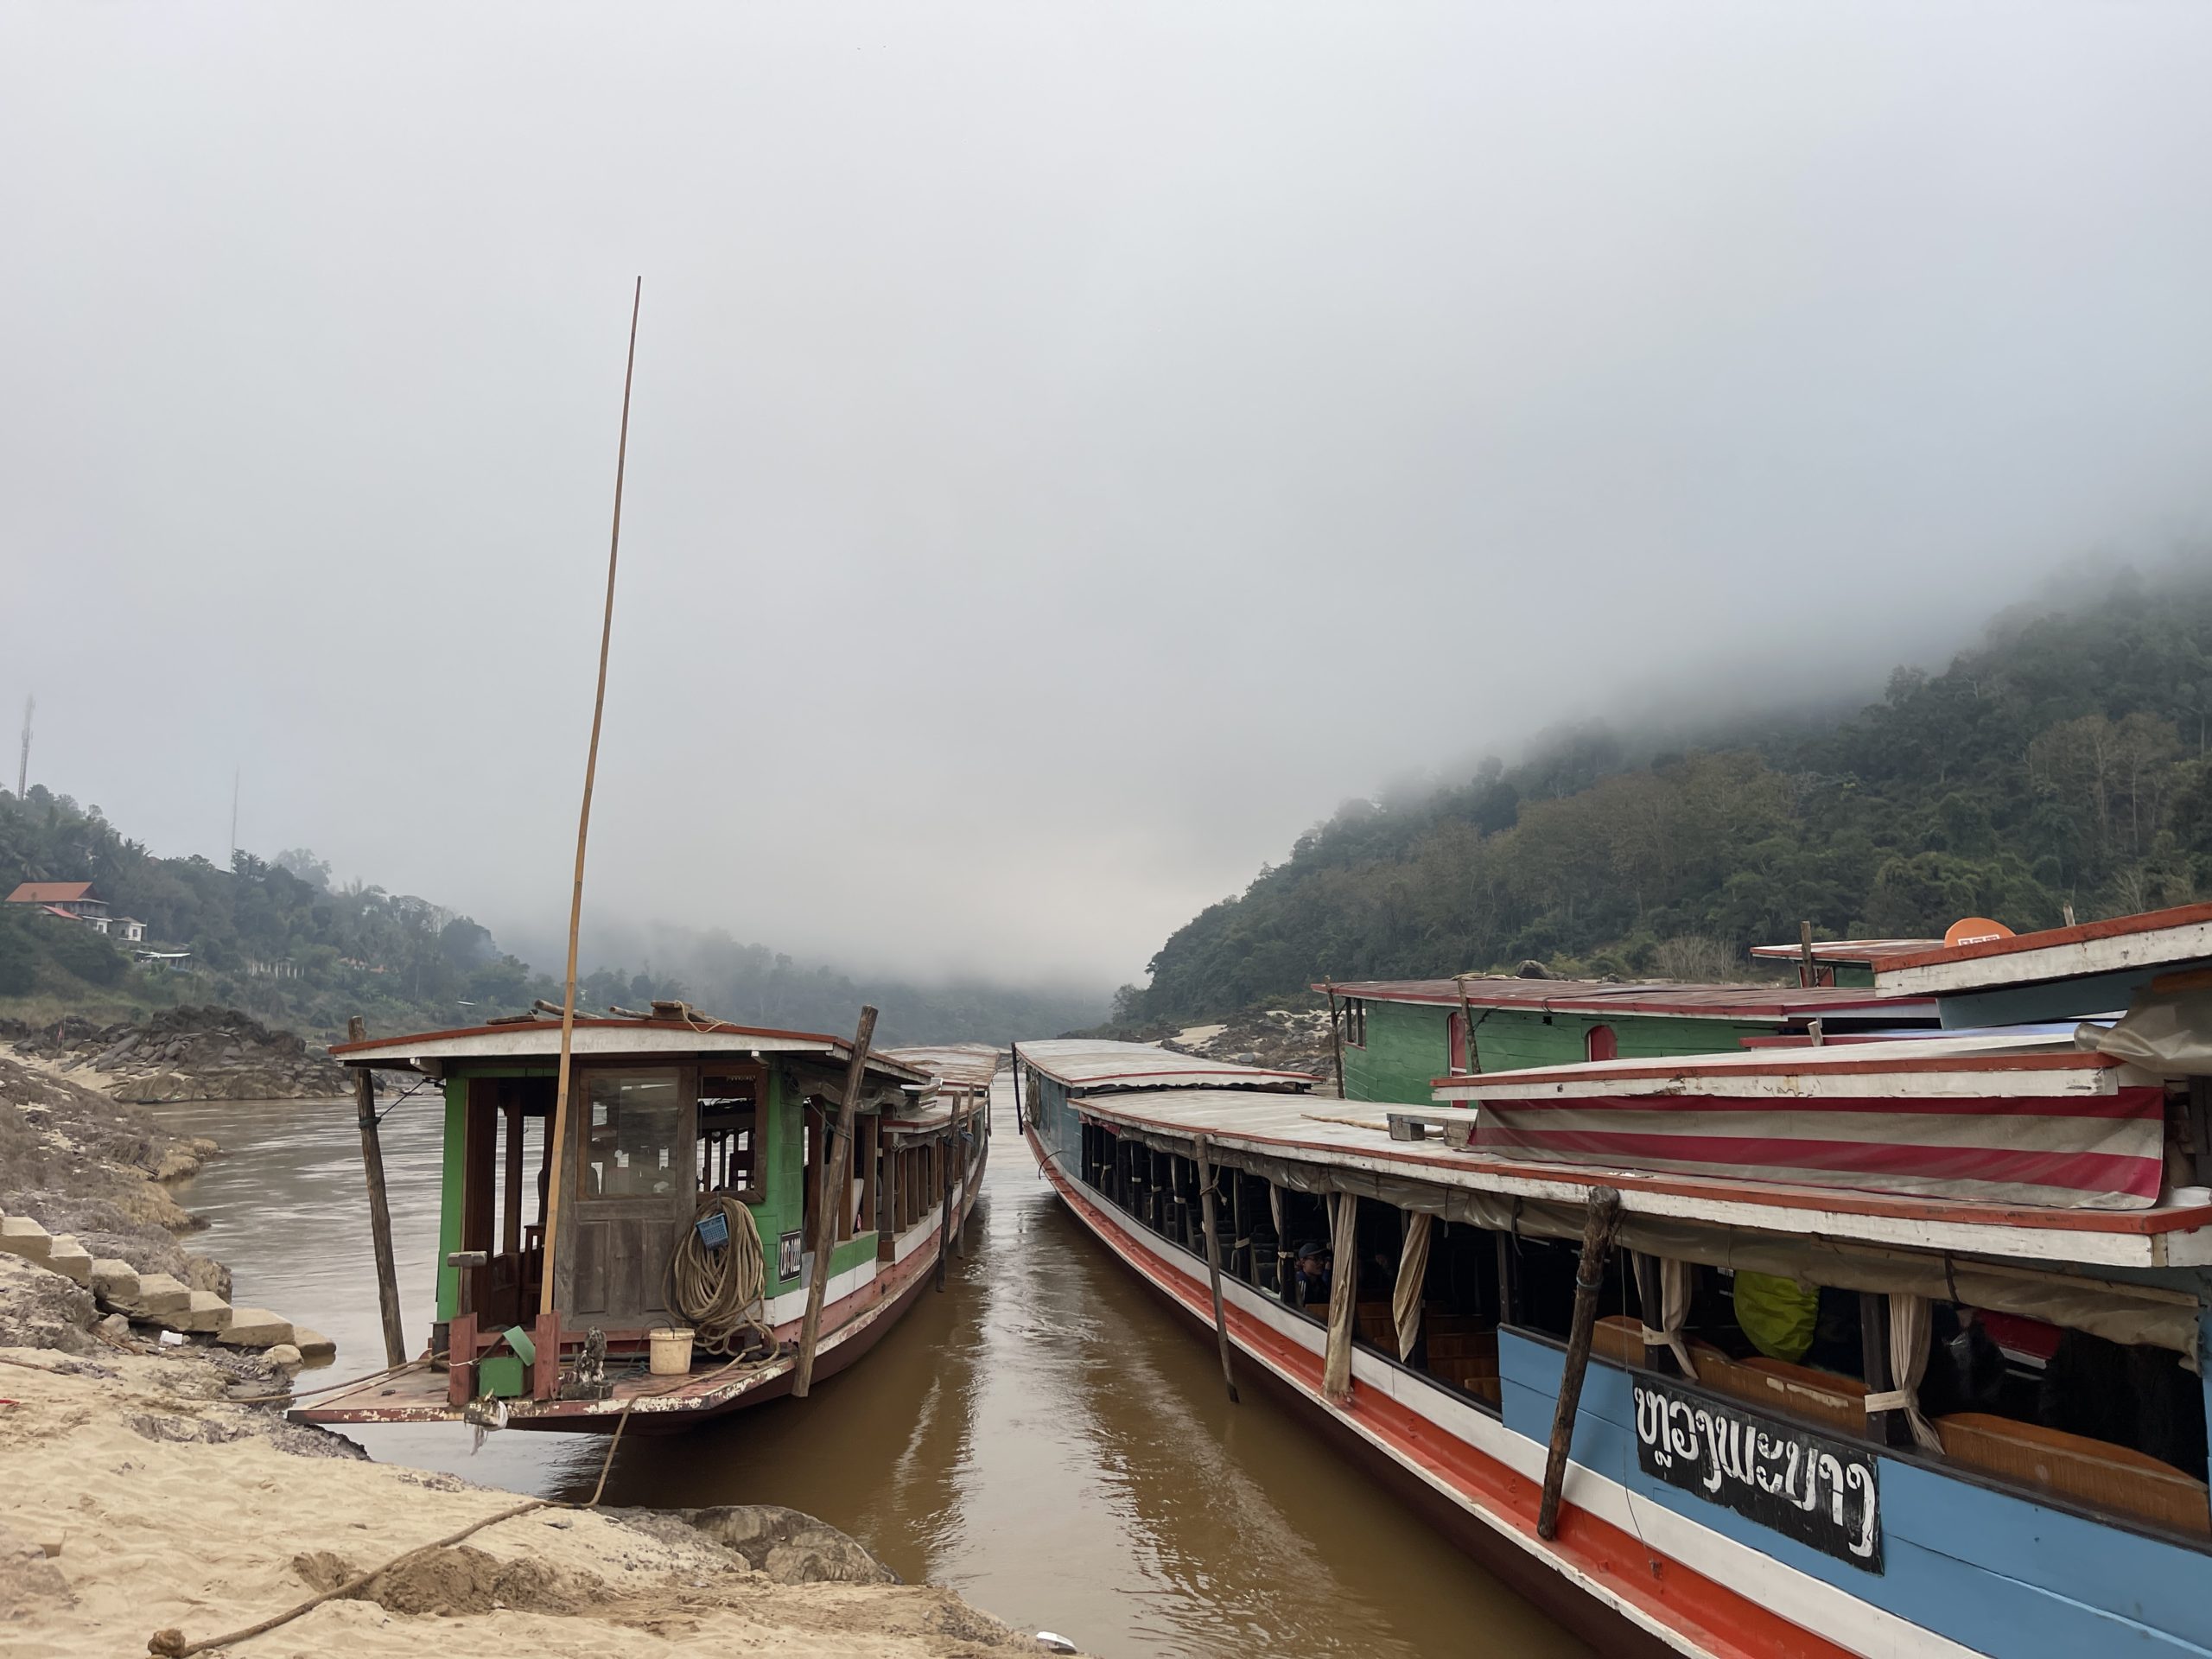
x=1316, y=1266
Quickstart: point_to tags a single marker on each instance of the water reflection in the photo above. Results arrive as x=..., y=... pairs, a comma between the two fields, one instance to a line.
x=1045, y=1437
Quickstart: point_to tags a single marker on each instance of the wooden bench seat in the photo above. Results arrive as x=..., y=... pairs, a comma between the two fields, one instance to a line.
x=2117, y=1479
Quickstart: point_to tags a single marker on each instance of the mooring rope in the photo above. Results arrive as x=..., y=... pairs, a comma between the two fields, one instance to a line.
x=716, y=1291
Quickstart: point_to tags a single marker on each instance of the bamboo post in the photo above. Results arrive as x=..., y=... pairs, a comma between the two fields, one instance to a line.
x=365, y=1112
x=559, y=1128
x=825, y=1212
x=1213, y=1268
x=1597, y=1230
x=1015, y=1050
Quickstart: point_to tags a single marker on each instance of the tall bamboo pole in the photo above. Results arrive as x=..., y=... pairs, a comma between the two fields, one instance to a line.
x=1213, y=1266
x=555, y=1184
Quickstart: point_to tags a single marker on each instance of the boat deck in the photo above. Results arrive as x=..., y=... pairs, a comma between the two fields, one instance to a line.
x=420, y=1397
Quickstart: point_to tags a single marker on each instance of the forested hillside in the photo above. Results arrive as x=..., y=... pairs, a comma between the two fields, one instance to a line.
x=2062, y=761
x=276, y=938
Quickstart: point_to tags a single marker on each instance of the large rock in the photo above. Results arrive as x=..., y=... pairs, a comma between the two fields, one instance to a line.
x=314, y=1346
x=161, y=1298
x=255, y=1327
x=789, y=1546
x=20, y=1235
x=205, y=1314
x=115, y=1283
x=71, y=1260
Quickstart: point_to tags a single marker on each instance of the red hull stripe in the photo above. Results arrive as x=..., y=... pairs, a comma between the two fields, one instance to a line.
x=2083, y=1171
x=1716, y=1621
x=2129, y=1103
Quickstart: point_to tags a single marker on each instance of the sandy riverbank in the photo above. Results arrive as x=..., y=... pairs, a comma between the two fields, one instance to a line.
x=136, y=1495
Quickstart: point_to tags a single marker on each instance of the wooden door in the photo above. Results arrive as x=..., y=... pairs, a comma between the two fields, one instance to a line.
x=633, y=1153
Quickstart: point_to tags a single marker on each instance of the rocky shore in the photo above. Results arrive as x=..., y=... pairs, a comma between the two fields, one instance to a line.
x=155, y=1495
x=183, y=1054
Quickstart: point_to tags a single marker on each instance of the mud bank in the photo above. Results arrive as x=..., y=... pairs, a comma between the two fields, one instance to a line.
x=207, y=1053
x=153, y=1485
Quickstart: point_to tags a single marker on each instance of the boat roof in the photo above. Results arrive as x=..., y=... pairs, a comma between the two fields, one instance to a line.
x=1084, y=1062
x=1356, y=1135
x=2151, y=941
x=600, y=1037
x=1860, y=951
x=1665, y=997
x=961, y=1065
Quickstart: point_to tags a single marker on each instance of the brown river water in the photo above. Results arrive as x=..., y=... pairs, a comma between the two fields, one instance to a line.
x=1045, y=1437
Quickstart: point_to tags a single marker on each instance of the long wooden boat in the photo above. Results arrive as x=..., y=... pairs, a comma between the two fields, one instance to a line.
x=1993, y=1444
x=676, y=1123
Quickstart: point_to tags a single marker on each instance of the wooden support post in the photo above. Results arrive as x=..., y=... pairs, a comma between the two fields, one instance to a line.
x=957, y=1220
x=511, y=1199
x=944, y=1205
x=825, y=1213
x=1805, y=974
x=1336, y=1039
x=1020, y=1124
x=365, y=1112
x=1604, y=1221
x=1888, y=1428
x=1213, y=1268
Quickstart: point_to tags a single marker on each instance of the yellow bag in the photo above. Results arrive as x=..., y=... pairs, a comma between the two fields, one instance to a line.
x=1778, y=1315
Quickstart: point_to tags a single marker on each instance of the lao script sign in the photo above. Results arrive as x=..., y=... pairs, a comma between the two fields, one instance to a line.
x=1805, y=1486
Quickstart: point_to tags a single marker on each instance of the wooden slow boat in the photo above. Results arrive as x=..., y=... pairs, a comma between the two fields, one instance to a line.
x=1718, y=1500
x=668, y=1116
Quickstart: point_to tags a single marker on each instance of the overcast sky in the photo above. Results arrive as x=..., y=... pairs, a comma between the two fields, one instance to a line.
x=1075, y=445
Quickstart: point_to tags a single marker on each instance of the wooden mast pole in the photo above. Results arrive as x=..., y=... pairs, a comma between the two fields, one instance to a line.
x=364, y=1110
x=556, y=1182
x=1213, y=1266
x=826, y=1208
x=1597, y=1229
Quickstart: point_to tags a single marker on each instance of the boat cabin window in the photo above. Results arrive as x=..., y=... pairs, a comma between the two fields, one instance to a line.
x=729, y=1137
x=1355, y=1022
x=633, y=1134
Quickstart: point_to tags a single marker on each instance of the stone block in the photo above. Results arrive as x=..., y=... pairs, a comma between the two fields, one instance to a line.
x=115, y=1283
x=285, y=1358
x=161, y=1298
x=206, y=1314
x=71, y=1260
x=20, y=1235
x=314, y=1346
x=255, y=1327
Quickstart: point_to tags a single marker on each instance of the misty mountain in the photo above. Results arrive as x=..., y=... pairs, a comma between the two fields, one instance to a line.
x=275, y=938
x=2063, y=761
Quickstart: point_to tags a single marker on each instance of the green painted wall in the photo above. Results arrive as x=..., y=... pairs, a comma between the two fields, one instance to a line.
x=1858, y=976
x=456, y=1154
x=1408, y=1044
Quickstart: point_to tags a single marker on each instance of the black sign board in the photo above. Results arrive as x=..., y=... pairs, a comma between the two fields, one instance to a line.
x=1805, y=1486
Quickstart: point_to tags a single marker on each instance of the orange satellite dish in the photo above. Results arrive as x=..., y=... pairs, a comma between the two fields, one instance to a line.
x=1973, y=930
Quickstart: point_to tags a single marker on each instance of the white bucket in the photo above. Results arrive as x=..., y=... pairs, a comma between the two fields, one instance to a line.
x=671, y=1352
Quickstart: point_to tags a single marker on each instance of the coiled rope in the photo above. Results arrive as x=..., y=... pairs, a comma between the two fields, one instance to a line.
x=717, y=1292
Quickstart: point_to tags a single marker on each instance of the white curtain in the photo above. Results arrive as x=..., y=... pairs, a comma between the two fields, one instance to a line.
x=1343, y=1294
x=1909, y=1331
x=1413, y=1269
x=1672, y=1304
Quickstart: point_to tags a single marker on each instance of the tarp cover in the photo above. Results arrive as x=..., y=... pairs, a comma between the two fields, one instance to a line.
x=2166, y=1032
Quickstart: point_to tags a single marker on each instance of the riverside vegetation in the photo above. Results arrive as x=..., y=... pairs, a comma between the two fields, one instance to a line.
x=2063, y=761
x=276, y=938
